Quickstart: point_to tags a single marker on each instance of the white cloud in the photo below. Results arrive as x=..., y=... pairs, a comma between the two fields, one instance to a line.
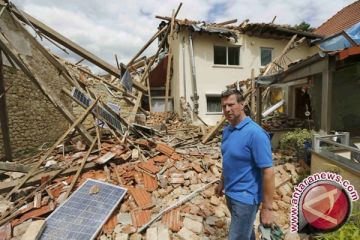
x=108, y=27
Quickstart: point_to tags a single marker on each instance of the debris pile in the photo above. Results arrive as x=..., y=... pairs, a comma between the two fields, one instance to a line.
x=168, y=166
x=170, y=177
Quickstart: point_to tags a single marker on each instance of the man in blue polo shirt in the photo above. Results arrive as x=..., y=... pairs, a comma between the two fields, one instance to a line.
x=248, y=176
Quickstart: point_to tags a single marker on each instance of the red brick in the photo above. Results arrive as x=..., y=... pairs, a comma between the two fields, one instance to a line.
x=164, y=149
x=160, y=159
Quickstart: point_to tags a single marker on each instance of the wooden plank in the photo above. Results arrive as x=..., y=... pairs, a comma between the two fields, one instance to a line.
x=75, y=178
x=47, y=154
x=149, y=92
x=10, y=214
x=146, y=45
x=284, y=51
x=122, y=120
x=258, y=105
x=212, y=132
x=51, y=33
x=54, y=99
x=14, y=167
x=351, y=41
x=253, y=103
x=169, y=62
x=4, y=115
x=33, y=232
x=36, y=179
x=104, y=81
x=133, y=113
x=225, y=23
x=61, y=68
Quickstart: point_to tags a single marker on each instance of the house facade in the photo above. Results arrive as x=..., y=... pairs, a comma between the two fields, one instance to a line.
x=206, y=61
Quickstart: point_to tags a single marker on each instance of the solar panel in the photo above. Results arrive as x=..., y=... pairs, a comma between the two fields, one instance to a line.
x=104, y=114
x=82, y=215
x=126, y=81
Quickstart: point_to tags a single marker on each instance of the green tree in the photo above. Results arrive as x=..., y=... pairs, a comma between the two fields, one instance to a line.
x=304, y=26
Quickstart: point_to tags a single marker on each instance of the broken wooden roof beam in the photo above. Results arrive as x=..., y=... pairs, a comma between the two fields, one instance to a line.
x=112, y=85
x=80, y=168
x=49, y=151
x=155, y=36
x=51, y=33
x=54, y=99
x=225, y=23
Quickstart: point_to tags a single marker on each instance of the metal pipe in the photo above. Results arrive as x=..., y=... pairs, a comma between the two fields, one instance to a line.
x=195, y=96
x=184, y=77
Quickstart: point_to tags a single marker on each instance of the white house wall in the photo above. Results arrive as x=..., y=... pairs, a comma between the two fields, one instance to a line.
x=212, y=79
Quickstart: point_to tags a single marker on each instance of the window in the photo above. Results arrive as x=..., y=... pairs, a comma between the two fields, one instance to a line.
x=219, y=55
x=227, y=55
x=233, y=55
x=266, y=56
x=213, y=103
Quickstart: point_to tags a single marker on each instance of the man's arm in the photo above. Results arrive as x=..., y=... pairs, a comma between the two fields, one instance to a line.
x=268, y=181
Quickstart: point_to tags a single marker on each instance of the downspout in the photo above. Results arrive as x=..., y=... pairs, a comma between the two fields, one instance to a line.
x=195, y=96
x=183, y=58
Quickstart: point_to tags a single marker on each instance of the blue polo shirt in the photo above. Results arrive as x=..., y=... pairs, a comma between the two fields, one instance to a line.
x=245, y=149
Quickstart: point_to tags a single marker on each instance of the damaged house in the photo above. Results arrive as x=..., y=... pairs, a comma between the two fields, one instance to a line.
x=110, y=160
x=330, y=76
x=207, y=57
x=36, y=107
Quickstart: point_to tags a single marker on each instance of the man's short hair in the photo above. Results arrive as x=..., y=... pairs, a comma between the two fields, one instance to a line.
x=231, y=91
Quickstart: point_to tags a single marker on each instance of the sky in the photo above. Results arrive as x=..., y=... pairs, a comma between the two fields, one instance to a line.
x=109, y=27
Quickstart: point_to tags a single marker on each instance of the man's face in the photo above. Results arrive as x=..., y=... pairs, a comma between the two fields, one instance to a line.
x=232, y=109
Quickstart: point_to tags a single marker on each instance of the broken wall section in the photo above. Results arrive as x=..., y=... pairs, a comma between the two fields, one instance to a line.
x=33, y=119
x=100, y=89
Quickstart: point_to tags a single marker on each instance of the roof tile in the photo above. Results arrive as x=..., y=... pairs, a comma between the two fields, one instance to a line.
x=172, y=220
x=141, y=197
x=140, y=217
x=342, y=20
x=150, y=183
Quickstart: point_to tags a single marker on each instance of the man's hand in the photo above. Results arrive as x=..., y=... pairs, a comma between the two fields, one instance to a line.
x=219, y=189
x=266, y=217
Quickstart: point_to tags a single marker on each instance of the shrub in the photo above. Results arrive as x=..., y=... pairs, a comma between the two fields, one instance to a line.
x=295, y=140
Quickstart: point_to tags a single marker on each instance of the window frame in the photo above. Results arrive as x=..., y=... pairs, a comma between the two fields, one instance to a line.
x=207, y=108
x=227, y=55
x=271, y=56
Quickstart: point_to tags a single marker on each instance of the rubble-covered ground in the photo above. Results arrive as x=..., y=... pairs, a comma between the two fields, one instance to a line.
x=164, y=165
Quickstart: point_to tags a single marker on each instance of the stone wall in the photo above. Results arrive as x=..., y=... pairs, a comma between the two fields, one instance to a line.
x=33, y=120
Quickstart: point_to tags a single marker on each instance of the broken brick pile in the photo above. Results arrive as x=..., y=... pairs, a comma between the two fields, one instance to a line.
x=157, y=172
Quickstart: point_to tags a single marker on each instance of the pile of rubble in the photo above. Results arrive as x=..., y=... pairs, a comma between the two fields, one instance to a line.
x=283, y=122
x=168, y=166
x=169, y=177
